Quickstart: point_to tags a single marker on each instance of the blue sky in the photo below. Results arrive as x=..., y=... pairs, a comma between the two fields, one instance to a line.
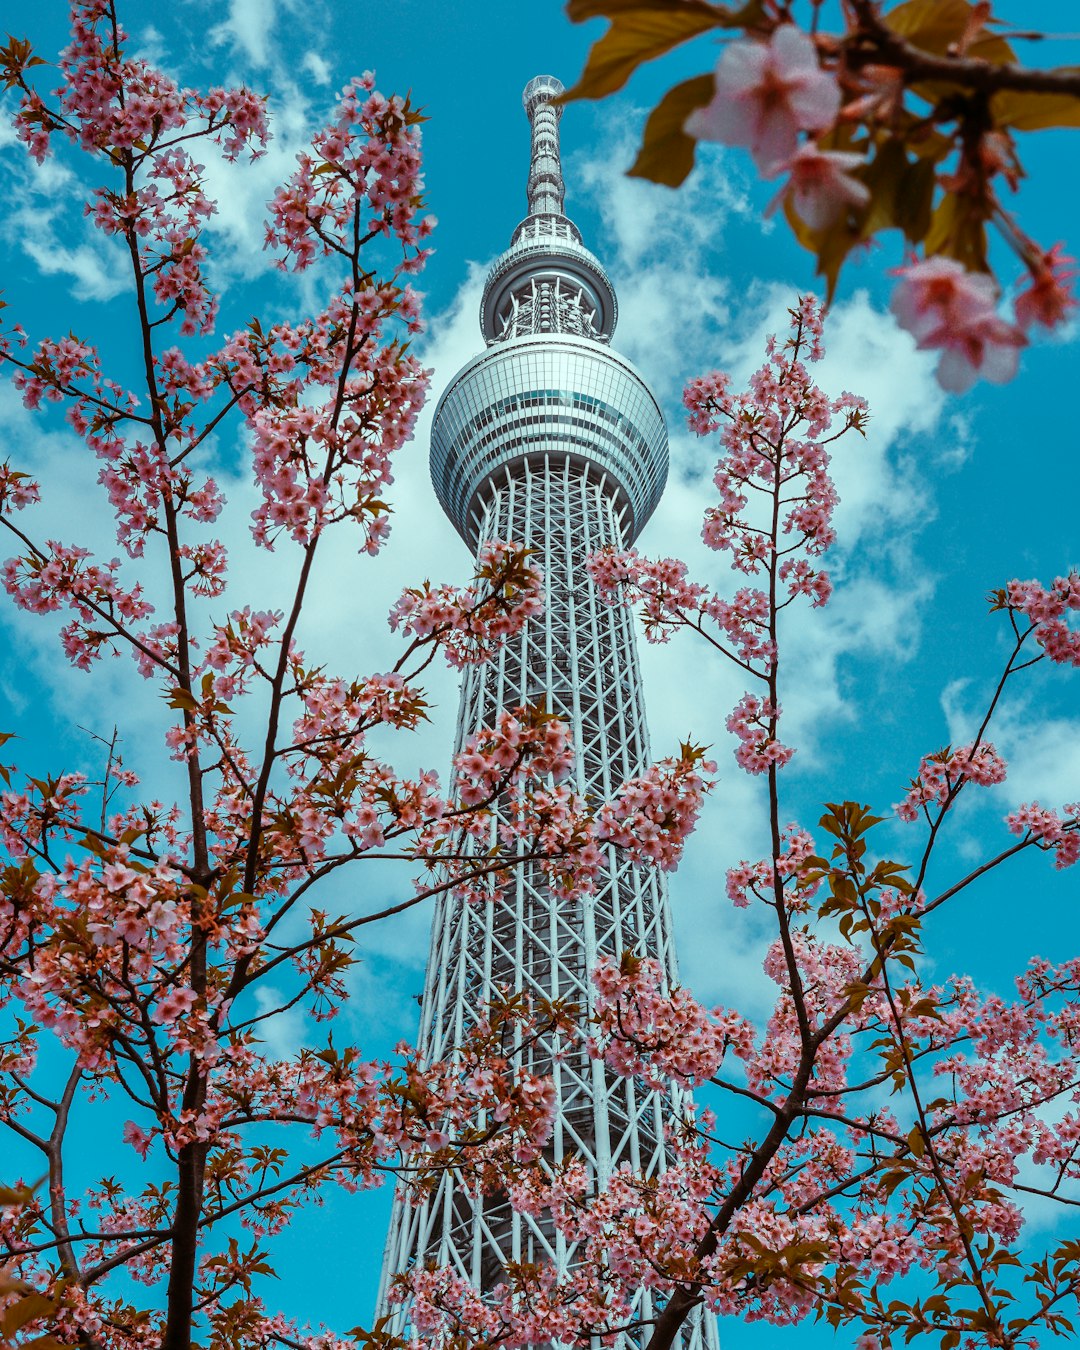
x=946, y=498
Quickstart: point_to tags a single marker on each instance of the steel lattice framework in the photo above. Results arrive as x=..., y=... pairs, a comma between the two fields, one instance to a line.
x=552, y=440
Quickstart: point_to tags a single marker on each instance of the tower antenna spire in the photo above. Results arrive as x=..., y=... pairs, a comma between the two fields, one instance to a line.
x=547, y=190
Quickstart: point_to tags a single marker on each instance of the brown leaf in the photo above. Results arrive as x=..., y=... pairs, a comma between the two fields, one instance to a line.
x=958, y=230
x=831, y=247
x=636, y=36
x=722, y=16
x=937, y=25
x=1032, y=112
x=667, y=152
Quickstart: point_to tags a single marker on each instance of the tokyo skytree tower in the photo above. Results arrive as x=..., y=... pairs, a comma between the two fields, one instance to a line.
x=549, y=439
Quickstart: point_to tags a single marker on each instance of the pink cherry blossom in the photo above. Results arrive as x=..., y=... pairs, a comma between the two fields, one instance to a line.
x=1048, y=609
x=1048, y=299
x=766, y=93
x=942, y=775
x=948, y=309
x=820, y=186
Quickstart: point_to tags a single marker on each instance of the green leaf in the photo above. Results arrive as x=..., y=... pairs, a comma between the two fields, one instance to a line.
x=181, y=698
x=24, y=1310
x=667, y=152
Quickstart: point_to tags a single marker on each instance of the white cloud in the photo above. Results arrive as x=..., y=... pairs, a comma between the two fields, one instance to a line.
x=317, y=67
x=1042, y=751
x=43, y=201
x=248, y=28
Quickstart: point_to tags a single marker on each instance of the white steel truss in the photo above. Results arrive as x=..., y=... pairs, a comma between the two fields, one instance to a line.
x=580, y=660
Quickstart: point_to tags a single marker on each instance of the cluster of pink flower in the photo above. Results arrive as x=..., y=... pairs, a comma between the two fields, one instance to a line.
x=753, y=721
x=651, y=817
x=369, y=153
x=632, y=1235
x=824, y=973
x=508, y=791
x=948, y=309
x=323, y=440
x=951, y=310
x=470, y=623
x=660, y=1034
x=17, y=490
x=1059, y=833
x=1047, y=609
x=767, y=93
x=522, y=741
x=757, y=879
x=774, y=453
x=43, y=584
x=943, y=774
x=137, y=117
x=669, y=601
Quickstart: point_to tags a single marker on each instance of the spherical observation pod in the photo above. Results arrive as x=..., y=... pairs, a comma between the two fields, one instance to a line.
x=547, y=398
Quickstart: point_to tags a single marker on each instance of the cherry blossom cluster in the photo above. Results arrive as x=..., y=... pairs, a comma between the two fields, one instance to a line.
x=632, y=1235
x=668, y=601
x=136, y=117
x=948, y=309
x=758, y=880
x=775, y=87
x=17, y=490
x=942, y=775
x=804, y=98
x=368, y=157
x=651, y=817
x=753, y=722
x=470, y=623
x=1047, y=609
x=525, y=740
x=64, y=578
x=660, y=1034
x=508, y=793
x=323, y=443
x=1057, y=833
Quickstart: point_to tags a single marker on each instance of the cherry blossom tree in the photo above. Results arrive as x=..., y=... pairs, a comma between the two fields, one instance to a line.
x=147, y=945
x=865, y=1156
x=876, y=117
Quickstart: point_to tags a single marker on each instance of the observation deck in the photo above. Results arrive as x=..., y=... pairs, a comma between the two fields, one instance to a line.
x=548, y=390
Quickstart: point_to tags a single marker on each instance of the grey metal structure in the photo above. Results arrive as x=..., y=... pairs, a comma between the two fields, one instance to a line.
x=552, y=440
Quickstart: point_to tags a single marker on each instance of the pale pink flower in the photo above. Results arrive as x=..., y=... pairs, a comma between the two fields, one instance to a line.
x=766, y=93
x=947, y=308
x=820, y=187
x=1048, y=300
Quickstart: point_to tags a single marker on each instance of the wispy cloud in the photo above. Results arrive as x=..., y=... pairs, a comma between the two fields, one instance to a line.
x=44, y=219
x=249, y=27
